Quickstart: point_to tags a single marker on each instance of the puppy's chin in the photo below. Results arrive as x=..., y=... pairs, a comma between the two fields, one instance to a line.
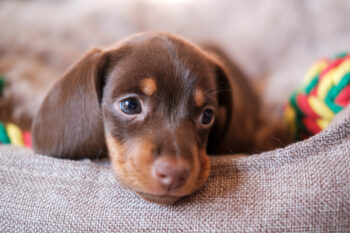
x=133, y=163
x=163, y=200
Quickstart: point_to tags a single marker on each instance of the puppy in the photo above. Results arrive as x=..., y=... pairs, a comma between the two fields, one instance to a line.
x=156, y=103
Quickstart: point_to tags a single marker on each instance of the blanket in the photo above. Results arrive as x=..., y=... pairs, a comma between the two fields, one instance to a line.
x=304, y=187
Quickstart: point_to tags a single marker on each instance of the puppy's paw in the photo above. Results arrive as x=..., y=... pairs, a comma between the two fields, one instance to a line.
x=271, y=135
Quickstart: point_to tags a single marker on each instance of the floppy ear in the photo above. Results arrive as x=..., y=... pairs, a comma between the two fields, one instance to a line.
x=217, y=141
x=236, y=117
x=240, y=125
x=69, y=123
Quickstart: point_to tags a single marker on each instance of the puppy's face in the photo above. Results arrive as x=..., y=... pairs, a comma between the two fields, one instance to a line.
x=150, y=102
x=159, y=104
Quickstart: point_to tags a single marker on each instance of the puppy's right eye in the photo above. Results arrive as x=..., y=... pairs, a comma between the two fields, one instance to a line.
x=130, y=106
x=207, y=117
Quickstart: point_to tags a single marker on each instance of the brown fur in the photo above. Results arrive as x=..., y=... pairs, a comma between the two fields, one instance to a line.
x=81, y=116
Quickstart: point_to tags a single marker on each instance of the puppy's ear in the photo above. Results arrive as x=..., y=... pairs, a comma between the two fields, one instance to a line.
x=238, y=104
x=240, y=125
x=218, y=135
x=69, y=123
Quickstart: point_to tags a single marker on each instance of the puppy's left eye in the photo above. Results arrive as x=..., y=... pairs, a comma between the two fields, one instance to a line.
x=130, y=106
x=207, y=117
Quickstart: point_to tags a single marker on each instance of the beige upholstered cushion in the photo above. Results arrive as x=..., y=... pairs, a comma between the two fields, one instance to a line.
x=304, y=187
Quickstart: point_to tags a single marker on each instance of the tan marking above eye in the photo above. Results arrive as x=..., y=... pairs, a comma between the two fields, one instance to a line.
x=199, y=97
x=149, y=86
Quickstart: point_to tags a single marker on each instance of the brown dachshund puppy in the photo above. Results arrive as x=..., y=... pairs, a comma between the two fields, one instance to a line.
x=156, y=104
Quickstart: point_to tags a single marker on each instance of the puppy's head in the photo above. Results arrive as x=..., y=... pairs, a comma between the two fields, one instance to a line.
x=156, y=97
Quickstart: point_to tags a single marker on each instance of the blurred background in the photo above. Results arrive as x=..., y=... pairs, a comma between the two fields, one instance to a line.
x=272, y=40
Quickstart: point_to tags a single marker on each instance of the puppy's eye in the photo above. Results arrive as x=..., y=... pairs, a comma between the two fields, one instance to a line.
x=130, y=106
x=207, y=117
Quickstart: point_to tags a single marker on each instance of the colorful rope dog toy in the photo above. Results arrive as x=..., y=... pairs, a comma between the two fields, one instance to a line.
x=11, y=133
x=325, y=92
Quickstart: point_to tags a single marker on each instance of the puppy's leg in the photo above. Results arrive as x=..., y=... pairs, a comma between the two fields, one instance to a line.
x=271, y=134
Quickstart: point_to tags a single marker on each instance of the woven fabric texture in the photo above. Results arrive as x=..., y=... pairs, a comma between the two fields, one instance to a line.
x=302, y=188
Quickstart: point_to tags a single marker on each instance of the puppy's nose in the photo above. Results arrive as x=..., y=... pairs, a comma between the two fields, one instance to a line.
x=170, y=173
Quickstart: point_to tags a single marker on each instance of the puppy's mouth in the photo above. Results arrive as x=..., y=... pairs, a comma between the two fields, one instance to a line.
x=163, y=179
x=159, y=199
